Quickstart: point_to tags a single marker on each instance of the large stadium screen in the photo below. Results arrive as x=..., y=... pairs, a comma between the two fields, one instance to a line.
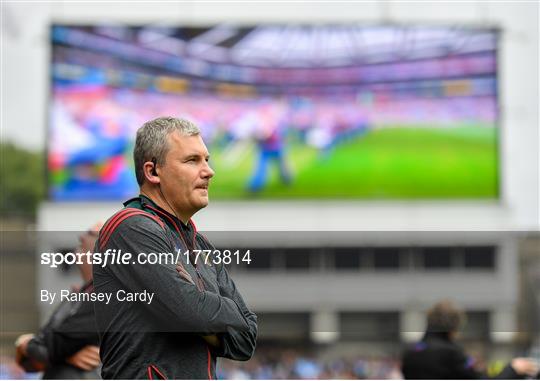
x=287, y=111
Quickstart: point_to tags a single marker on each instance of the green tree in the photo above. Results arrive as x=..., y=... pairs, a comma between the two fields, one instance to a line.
x=22, y=184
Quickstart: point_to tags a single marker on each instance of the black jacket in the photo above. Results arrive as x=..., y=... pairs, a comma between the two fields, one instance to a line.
x=436, y=357
x=163, y=339
x=70, y=328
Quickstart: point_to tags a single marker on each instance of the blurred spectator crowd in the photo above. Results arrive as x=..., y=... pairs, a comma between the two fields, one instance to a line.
x=296, y=364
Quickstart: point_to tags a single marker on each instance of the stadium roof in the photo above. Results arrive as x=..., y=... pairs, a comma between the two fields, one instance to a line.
x=294, y=46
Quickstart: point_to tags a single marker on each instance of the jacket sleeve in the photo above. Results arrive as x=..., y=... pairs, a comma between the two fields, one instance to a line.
x=71, y=327
x=75, y=331
x=177, y=305
x=37, y=349
x=235, y=344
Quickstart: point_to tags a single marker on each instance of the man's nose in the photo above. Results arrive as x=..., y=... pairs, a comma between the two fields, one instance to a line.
x=208, y=172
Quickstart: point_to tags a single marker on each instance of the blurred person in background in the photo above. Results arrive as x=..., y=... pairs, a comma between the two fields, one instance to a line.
x=67, y=346
x=270, y=138
x=437, y=356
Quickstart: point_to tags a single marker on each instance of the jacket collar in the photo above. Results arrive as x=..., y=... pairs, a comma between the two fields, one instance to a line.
x=432, y=335
x=146, y=203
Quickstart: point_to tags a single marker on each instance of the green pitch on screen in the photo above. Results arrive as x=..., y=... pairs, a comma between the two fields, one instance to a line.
x=386, y=163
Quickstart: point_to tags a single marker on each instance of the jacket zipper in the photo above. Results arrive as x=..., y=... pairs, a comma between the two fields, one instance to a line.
x=200, y=285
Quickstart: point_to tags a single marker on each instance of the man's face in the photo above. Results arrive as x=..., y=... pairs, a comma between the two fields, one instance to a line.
x=185, y=175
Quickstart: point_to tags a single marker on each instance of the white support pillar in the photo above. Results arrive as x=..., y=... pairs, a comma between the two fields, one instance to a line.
x=503, y=321
x=324, y=327
x=503, y=325
x=412, y=324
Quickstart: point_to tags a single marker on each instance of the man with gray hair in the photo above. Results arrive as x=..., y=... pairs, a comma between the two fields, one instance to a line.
x=186, y=313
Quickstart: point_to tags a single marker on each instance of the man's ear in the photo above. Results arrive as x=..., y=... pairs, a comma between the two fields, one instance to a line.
x=150, y=172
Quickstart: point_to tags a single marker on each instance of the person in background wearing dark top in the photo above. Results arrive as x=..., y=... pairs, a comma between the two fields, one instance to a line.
x=195, y=314
x=437, y=356
x=66, y=347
